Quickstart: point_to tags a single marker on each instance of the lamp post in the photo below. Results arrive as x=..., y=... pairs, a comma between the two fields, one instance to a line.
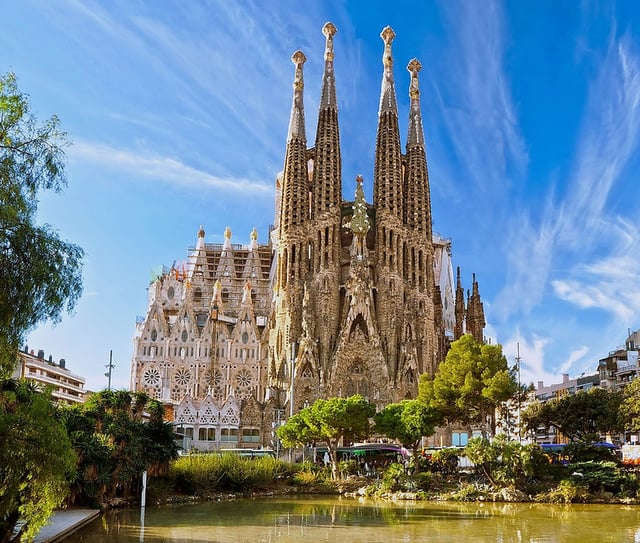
x=109, y=367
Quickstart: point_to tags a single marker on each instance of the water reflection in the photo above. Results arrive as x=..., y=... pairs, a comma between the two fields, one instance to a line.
x=294, y=520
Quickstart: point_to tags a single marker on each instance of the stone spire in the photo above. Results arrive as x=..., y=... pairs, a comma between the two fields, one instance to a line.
x=458, y=330
x=295, y=180
x=388, y=92
x=416, y=134
x=475, y=314
x=296, y=122
x=417, y=191
x=387, y=194
x=327, y=168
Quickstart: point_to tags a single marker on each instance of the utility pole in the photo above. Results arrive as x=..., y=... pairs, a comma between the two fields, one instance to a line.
x=109, y=367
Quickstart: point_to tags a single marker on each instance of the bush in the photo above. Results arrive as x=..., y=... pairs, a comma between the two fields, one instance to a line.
x=422, y=480
x=603, y=477
x=445, y=461
x=394, y=478
x=567, y=491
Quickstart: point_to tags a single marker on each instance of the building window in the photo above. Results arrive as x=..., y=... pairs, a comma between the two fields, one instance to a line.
x=250, y=435
x=229, y=435
x=207, y=434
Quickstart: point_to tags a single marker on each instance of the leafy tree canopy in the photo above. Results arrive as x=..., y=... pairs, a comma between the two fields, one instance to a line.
x=407, y=422
x=40, y=274
x=36, y=459
x=630, y=406
x=330, y=421
x=581, y=416
x=470, y=383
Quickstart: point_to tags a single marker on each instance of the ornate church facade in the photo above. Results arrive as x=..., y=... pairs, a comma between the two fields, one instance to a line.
x=346, y=298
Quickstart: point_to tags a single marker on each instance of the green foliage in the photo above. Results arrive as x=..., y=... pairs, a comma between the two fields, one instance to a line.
x=330, y=421
x=567, y=491
x=630, y=405
x=505, y=463
x=348, y=467
x=36, y=458
x=445, y=461
x=40, y=275
x=470, y=383
x=394, y=479
x=407, y=422
x=603, y=477
x=206, y=474
x=114, y=444
x=581, y=417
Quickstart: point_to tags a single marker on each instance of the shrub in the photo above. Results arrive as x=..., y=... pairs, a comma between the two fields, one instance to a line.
x=603, y=477
x=567, y=491
x=394, y=478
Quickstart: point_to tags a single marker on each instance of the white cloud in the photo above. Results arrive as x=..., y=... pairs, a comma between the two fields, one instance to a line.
x=160, y=168
x=483, y=123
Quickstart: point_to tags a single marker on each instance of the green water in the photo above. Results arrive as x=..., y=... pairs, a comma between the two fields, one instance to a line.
x=344, y=520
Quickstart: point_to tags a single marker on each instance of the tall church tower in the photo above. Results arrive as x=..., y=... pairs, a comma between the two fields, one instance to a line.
x=292, y=243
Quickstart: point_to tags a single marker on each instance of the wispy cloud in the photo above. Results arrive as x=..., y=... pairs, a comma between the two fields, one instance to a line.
x=482, y=119
x=592, y=248
x=169, y=170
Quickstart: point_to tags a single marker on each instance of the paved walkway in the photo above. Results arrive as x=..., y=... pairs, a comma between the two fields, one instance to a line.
x=64, y=522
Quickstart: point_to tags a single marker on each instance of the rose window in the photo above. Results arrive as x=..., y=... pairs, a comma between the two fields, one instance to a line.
x=244, y=378
x=183, y=376
x=151, y=377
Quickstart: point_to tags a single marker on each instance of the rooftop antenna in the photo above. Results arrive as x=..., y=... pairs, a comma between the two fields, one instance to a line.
x=109, y=367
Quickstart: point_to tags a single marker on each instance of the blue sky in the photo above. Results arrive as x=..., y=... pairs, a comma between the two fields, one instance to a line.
x=178, y=112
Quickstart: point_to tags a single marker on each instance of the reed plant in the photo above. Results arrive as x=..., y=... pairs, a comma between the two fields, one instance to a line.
x=204, y=474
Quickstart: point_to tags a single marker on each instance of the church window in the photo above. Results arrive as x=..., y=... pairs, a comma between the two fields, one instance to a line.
x=183, y=377
x=171, y=293
x=154, y=334
x=144, y=351
x=185, y=335
x=197, y=295
x=245, y=337
x=151, y=377
x=307, y=373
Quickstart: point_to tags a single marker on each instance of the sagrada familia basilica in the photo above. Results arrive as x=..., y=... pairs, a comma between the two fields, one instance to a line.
x=346, y=298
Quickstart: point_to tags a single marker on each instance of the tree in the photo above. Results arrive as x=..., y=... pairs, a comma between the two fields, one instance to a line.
x=470, y=383
x=330, y=421
x=40, y=275
x=115, y=445
x=36, y=459
x=630, y=406
x=407, y=422
x=581, y=417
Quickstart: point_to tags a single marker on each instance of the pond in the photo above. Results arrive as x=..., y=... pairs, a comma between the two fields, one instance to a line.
x=347, y=520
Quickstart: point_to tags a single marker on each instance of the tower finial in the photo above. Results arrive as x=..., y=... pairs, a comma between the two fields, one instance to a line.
x=416, y=134
x=328, y=95
x=296, y=124
x=388, y=94
x=387, y=36
x=414, y=67
x=329, y=30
